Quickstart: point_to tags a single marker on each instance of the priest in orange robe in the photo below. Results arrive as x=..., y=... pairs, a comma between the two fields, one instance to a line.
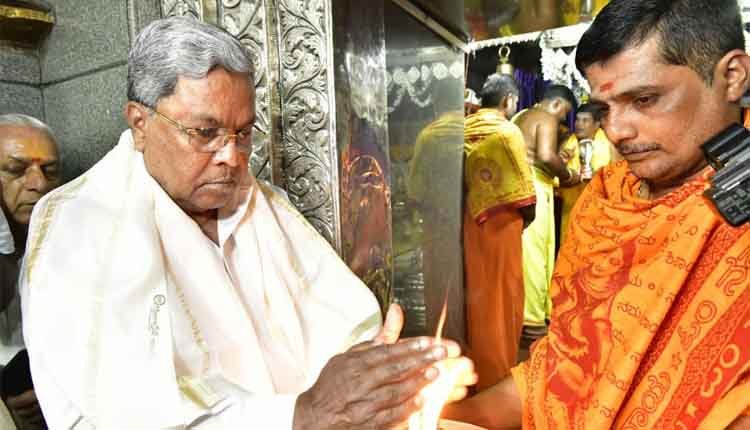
x=500, y=200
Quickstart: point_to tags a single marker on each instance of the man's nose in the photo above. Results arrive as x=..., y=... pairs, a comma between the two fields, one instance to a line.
x=228, y=154
x=619, y=127
x=35, y=179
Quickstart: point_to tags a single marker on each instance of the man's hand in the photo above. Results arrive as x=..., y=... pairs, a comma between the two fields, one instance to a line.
x=498, y=407
x=26, y=411
x=566, y=155
x=391, y=331
x=572, y=178
x=376, y=385
x=460, y=366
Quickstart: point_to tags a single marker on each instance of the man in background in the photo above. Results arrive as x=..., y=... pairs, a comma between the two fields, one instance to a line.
x=586, y=151
x=540, y=126
x=499, y=201
x=29, y=168
x=435, y=184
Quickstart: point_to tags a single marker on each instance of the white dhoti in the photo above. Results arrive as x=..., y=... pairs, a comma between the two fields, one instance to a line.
x=134, y=319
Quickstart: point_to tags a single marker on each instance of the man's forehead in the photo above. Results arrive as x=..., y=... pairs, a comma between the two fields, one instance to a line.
x=207, y=99
x=216, y=80
x=635, y=68
x=26, y=142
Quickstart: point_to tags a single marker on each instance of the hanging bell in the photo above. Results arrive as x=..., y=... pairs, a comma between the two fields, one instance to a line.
x=504, y=67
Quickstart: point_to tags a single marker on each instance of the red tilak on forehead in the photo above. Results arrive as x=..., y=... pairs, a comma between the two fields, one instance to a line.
x=606, y=87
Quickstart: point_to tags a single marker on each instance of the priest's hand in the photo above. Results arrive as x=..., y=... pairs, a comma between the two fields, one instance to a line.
x=376, y=385
x=741, y=423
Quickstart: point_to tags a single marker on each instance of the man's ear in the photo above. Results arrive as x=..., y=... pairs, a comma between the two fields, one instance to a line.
x=505, y=103
x=557, y=105
x=733, y=72
x=136, y=116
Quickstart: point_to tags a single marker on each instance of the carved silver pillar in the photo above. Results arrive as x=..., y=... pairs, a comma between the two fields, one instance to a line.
x=204, y=10
x=308, y=147
x=247, y=21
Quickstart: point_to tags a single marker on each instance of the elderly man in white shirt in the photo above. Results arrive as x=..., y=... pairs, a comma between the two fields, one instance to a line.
x=29, y=168
x=167, y=288
x=7, y=277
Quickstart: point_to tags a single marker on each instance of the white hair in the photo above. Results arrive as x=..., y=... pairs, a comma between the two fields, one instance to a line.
x=180, y=46
x=21, y=120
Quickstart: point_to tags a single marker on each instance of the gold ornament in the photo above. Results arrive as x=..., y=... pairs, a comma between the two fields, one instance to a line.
x=504, y=67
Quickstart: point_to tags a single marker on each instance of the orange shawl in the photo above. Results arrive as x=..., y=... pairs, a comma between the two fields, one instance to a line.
x=651, y=315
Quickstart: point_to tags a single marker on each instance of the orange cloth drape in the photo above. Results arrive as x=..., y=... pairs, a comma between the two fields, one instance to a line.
x=494, y=293
x=651, y=315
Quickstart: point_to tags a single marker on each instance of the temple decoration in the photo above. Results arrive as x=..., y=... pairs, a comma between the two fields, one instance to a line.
x=504, y=67
x=559, y=67
x=414, y=82
x=25, y=23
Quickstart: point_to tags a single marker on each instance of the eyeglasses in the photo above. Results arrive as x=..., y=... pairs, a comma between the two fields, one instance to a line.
x=212, y=139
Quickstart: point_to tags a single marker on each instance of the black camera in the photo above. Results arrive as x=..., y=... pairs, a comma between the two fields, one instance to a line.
x=729, y=154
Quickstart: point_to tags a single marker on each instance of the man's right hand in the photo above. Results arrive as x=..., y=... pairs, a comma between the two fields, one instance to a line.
x=373, y=387
x=376, y=385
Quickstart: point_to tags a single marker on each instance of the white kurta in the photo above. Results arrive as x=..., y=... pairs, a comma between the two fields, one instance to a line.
x=134, y=319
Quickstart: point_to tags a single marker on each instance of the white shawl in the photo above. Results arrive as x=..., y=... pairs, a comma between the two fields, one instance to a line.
x=106, y=254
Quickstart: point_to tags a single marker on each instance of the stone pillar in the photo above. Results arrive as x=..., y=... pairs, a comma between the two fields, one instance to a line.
x=84, y=72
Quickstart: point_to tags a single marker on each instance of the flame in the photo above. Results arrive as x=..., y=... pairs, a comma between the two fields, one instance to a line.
x=437, y=393
x=441, y=322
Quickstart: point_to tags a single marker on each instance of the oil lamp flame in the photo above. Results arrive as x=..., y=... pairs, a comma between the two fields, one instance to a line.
x=441, y=322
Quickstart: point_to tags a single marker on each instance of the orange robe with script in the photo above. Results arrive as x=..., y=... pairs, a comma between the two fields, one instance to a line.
x=651, y=315
x=498, y=183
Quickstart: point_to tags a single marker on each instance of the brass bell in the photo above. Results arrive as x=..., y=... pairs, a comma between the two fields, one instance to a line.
x=504, y=67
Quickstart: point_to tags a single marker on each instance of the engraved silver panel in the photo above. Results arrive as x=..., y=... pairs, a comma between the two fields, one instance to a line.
x=362, y=140
x=308, y=147
x=182, y=8
x=246, y=20
x=426, y=155
x=140, y=14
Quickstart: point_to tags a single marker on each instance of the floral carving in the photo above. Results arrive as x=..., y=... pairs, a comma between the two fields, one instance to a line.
x=181, y=8
x=246, y=20
x=308, y=140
